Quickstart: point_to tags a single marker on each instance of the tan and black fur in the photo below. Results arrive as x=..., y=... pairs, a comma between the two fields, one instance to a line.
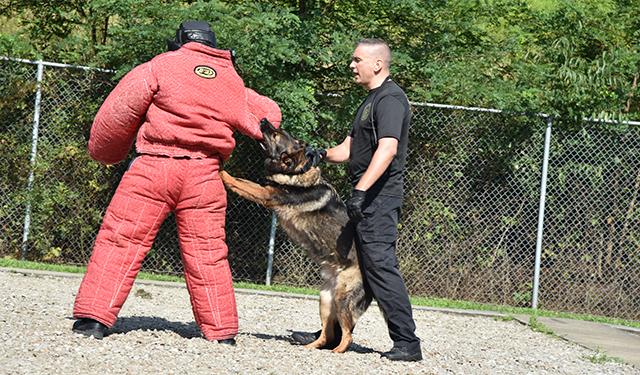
x=313, y=215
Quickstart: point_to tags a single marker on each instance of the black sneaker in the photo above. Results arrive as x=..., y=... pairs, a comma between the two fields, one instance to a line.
x=403, y=354
x=90, y=327
x=230, y=342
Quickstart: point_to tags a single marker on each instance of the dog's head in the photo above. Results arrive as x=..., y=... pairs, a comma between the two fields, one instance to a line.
x=283, y=153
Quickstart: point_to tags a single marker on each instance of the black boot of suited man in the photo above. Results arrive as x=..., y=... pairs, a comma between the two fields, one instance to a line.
x=90, y=327
x=230, y=342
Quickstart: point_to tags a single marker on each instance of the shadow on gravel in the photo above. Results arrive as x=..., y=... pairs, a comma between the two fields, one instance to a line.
x=144, y=323
x=353, y=348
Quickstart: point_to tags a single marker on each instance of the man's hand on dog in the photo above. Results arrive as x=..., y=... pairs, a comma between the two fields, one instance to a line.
x=355, y=203
x=315, y=155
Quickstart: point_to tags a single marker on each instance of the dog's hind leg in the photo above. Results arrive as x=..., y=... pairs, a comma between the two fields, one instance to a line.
x=350, y=302
x=346, y=325
x=327, y=316
x=263, y=195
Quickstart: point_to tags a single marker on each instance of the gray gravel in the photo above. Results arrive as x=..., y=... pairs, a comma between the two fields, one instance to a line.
x=156, y=334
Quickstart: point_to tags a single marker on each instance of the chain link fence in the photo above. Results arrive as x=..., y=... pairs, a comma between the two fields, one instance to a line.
x=470, y=225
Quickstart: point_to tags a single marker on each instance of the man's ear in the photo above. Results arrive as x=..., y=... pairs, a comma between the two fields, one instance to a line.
x=377, y=67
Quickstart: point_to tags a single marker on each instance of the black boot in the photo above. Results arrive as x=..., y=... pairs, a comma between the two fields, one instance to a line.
x=230, y=342
x=89, y=327
x=304, y=338
x=402, y=353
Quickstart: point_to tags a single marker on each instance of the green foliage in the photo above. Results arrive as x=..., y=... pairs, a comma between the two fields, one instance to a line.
x=569, y=58
x=65, y=181
x=15, y=45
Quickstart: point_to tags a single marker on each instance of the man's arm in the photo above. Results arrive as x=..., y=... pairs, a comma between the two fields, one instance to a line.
x=382, y=158
x=340, y=153
x=119, y=117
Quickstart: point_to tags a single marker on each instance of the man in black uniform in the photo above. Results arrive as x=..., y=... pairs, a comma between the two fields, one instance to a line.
x=376, y=150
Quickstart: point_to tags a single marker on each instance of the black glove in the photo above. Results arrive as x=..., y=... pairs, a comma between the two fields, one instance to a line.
x=315, y=155
x=355, y=203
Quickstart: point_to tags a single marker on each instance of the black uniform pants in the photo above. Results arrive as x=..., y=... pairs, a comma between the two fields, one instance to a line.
x=376, y=237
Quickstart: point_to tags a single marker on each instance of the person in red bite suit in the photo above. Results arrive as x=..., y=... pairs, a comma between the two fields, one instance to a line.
x=182, y=107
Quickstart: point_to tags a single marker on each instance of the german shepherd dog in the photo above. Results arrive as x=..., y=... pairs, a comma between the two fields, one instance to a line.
x=313, y=216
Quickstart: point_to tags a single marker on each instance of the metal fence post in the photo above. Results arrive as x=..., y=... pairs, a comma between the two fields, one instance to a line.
x=543, y=196
x=272, y=243
x=34, y=151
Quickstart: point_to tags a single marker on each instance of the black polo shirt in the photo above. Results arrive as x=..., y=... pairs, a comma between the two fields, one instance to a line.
x=390, y=117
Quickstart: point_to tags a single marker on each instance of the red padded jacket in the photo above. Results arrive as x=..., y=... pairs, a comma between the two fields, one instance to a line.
x=181, y=103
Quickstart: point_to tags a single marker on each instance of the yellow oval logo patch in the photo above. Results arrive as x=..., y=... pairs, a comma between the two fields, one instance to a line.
x=205, y=72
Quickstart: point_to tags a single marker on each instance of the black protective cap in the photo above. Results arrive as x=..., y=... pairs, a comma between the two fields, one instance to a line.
x=193, y=31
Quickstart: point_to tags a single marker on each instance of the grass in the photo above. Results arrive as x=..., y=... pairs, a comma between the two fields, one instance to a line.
x=536, y=326
x=416, y=301
x=510, y=310
x=599, y=357
x=24, y=264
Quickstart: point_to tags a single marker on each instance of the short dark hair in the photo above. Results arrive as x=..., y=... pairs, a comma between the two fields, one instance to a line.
x=377, y=42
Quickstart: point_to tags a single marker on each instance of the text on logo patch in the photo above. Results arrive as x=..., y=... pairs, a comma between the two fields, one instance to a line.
x=205, y=72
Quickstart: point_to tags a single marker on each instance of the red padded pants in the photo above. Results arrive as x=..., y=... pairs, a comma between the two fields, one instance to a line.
x=153, y=187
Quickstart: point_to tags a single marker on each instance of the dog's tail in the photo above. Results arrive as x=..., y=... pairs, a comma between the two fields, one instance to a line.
x=363, y=301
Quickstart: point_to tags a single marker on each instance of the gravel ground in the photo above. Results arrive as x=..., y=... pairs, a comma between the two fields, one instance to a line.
x=156, y=334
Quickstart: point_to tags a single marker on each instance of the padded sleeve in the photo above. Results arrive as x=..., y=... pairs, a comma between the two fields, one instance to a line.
x=259, y=107
x=118, y=119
